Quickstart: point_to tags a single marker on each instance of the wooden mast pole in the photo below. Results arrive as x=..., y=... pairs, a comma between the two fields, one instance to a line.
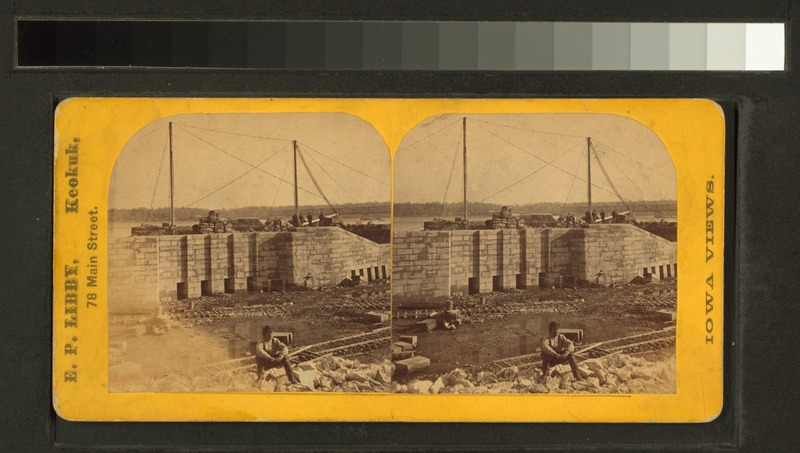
x=294, y=146
x=465, y=166
x=171, y=182
x=589, y=179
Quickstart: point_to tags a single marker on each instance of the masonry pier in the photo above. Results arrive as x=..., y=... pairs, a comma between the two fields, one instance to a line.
x=147, y=270
x=432, y=264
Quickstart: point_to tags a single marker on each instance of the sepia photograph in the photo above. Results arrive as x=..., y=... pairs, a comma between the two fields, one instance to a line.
x=534, y=253
x=370, y=256
x=250, y=253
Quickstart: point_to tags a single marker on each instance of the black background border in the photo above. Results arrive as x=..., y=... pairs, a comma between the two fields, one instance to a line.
x=760, y=294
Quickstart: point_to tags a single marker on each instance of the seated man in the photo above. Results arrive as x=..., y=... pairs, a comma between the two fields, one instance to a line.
x=270, y=353
x=557, y=349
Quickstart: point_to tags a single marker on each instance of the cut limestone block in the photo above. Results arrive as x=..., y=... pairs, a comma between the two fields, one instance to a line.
x=419, y=386
x=412, y=339
x=665, y=315
x=307, y=373
x=437, y=386
x=572, y=334
x=427, y=325
x=402, y=355
x=405, y=346
x=412, y=365
x=285, y=337
x=378, y=316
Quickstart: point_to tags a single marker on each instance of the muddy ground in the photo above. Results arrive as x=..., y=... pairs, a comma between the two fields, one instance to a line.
x=512, y=323
x=505, y=324
x=216, y=328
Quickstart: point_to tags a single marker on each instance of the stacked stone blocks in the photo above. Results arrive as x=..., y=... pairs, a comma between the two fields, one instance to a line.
x=144, y=271
x=494, y=258
x=465, y=259
x=330, y=254
x=137, y=271
x=421, y=264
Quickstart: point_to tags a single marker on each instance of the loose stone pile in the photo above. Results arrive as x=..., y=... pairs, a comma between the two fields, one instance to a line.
x=331, y=374
x=613, y=374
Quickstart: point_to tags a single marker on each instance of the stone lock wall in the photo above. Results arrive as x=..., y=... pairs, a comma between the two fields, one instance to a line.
x=433, y=264
x=492, y=258
x=465, y=253
x=622, y=252
x=135, y=269
x=329, y=255
x=421, y=264
x=144, y=271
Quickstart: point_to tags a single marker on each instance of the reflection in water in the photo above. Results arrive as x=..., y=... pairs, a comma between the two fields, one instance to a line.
x=241, y=339
x=492, y=350
x=527, y=341
x=525, y=344
x=480, y=343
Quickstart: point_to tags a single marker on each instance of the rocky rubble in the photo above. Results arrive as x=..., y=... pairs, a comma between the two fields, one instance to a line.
x=317, y=306
x=612, y=374
x=611, y=299
x=331, y=374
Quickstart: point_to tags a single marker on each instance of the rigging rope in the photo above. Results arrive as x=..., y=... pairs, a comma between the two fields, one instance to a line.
x=314, y=180
x=234, y=133
x=158, y=178
x=326, y=172
x=605, y=173
x=650, y=190
x=307, y=146
x=248, y=163
x=530, y=130
x=450, y=178
x=430, y=135
x=238, y=177
x=340, y=207
x=636, y=161
x=335, y=206
x=534, y=172
x=580, y=161
x=285, y=167
x=547, y=163
x=632, y=182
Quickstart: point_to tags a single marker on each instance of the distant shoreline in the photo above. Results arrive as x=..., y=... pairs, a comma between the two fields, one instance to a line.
x=655, y=208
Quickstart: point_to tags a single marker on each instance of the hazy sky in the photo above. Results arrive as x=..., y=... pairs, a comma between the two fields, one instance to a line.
x=235, y=160
x=530, y=158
